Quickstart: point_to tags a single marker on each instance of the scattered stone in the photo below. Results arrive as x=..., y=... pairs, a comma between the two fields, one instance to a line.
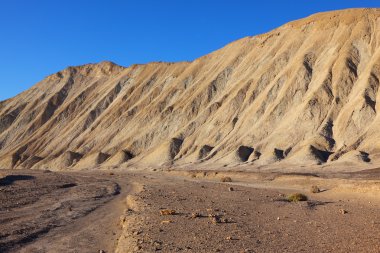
x=342, y=211
x=226, y=179
x=157, y=243
x=315, y=189
x=167, y=221
x=137, y=232
x=224, y=220
x=168, y=212
x=195, y=215
x=216, y=220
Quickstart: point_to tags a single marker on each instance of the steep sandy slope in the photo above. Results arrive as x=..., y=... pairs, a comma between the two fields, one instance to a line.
x=305, y=93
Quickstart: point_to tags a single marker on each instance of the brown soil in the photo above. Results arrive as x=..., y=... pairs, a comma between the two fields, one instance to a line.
x=46, y=212
x=82, y=212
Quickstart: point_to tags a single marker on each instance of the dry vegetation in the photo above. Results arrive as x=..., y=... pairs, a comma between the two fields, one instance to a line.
x=296, y=197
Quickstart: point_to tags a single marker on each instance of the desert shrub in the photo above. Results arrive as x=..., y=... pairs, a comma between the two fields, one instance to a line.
x=225, y=179
x=295, y=197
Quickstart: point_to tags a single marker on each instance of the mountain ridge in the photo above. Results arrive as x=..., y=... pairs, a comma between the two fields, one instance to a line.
x=290, y=96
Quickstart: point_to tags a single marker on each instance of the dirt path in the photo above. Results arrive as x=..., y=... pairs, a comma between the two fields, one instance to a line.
x=99, y=230
x=53, y=212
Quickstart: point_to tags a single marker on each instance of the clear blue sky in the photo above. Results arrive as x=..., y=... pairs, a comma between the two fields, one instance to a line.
x=41, y=37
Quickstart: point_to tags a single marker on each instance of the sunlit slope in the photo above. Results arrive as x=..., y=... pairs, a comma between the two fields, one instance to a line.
x=305, y=93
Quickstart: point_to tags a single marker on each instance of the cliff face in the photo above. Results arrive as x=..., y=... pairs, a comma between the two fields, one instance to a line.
x=305, y=93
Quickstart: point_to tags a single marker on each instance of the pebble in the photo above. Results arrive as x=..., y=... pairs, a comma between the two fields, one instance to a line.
x=342, y=211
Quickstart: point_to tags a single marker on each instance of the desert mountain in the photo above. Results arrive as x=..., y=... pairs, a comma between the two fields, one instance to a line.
x=305, y=93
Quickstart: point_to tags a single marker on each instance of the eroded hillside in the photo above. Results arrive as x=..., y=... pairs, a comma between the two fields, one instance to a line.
x=305, y=93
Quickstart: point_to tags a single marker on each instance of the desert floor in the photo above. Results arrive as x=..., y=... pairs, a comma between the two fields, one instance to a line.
x=119, y=211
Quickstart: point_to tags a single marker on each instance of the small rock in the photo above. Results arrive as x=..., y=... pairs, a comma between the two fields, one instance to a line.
x=278, y=218
x=342, y=211
x=224, y=220
x=195, y=215
x=315, y=189
x=166, y=221
x=136, y=232
x=157, y=243
x=216, y=220
x=167, y=212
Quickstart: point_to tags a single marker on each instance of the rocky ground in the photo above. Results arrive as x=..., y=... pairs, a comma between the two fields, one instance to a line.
x=83, y=212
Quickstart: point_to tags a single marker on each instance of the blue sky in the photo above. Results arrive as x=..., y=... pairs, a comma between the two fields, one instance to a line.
x=41, y=37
